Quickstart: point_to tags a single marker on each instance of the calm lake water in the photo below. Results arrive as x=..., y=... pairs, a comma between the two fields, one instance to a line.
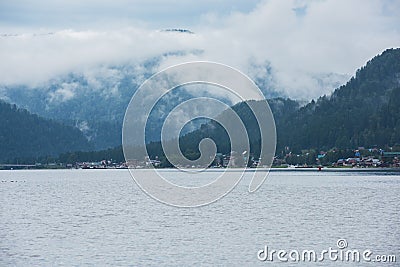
x=101, y=217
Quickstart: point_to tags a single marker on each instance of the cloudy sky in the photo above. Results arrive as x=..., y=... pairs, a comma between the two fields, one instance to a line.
x=309, y=45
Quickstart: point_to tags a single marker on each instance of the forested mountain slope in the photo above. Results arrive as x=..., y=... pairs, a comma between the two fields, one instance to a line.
x=25, y=135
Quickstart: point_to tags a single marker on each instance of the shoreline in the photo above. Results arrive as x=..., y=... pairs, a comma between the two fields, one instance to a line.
x=272, y=169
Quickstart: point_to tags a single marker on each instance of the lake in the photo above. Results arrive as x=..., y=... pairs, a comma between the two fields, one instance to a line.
x=101, y=217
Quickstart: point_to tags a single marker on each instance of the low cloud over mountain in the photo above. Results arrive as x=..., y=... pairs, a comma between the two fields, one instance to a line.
x=310, y=46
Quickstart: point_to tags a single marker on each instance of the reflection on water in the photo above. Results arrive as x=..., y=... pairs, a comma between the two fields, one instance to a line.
x=92, y=217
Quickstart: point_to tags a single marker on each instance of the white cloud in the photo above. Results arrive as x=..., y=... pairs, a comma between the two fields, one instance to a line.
x=330, y=36
x=30, y=58
x=64, y=93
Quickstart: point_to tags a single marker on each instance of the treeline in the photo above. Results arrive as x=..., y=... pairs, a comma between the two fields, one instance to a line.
x=112, y=154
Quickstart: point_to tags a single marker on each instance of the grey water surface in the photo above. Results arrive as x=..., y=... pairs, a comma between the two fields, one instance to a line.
x=102, y=218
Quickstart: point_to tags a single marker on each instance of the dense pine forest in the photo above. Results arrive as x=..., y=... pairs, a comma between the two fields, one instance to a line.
x=25, y=136
x=364, y=112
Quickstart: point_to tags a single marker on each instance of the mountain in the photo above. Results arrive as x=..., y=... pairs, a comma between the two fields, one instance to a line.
x=189, y=142
x=94, y=99
x=363, y=112
x=24, y=135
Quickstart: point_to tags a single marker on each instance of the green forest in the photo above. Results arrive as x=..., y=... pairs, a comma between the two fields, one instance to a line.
x=24, y=136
